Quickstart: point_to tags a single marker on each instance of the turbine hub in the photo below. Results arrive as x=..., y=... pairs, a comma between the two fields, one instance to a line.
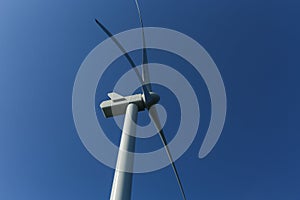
x=154, y=99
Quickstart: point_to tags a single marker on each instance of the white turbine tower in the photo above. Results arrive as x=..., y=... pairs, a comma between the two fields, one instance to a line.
x=130, y=106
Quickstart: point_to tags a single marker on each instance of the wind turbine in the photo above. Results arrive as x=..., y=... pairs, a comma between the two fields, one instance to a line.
x=130, y=106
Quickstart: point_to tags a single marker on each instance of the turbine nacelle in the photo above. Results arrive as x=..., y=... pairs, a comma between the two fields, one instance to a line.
x=117, y=104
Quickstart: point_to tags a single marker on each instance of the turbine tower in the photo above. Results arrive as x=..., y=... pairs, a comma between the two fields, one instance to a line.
x=130, y=106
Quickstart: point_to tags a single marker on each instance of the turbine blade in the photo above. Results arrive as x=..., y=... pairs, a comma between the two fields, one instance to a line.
x=154, y=117
x=129, y=59
x=145, y=69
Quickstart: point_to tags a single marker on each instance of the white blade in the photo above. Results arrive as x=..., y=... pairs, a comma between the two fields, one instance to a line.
x=129, y=59
x=145, y=70
x=154, y=117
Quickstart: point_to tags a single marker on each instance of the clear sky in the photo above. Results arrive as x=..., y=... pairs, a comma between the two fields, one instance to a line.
x=254, y=44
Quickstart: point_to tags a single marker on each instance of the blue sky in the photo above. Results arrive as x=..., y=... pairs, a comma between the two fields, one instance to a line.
x=254, y=44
